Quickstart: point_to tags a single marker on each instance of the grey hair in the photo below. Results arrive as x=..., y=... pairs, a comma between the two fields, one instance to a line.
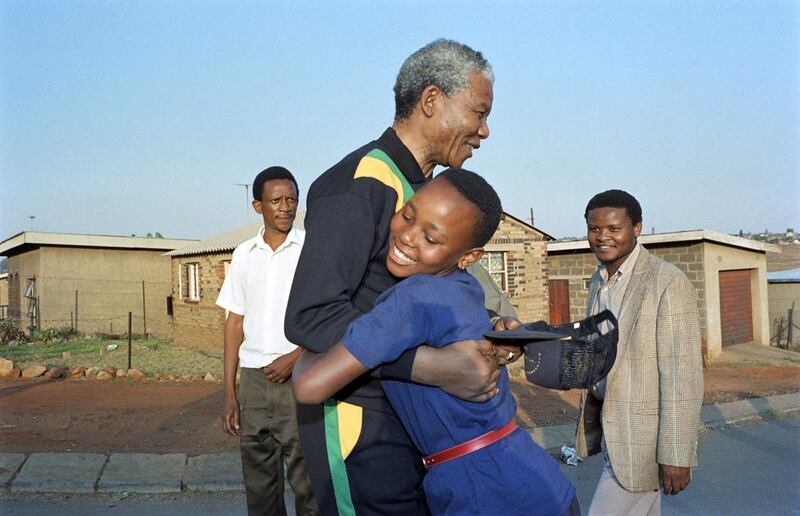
x=444, y=63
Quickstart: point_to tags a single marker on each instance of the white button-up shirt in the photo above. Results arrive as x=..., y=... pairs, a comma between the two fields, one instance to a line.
x=257, y=286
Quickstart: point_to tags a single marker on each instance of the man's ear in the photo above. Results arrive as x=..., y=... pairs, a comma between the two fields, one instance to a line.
x=470, y=257
x=431, y=96
x=257, y=206
x=637, y=229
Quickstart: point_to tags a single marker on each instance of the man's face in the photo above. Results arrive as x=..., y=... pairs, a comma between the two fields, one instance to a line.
x=432, y=233
x=278, y=205
x=612, y=235
x=462, y=122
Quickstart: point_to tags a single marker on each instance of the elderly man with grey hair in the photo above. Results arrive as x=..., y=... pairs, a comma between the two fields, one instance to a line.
x=359, y=457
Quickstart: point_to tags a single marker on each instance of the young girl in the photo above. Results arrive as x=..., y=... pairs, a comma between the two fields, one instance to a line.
x=479, y=462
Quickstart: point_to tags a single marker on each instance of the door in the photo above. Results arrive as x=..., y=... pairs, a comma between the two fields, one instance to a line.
x=559, y=301
x=735, y=306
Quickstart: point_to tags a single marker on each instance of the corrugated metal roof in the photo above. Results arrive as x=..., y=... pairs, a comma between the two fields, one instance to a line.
x=788, y=276
x=227, y=241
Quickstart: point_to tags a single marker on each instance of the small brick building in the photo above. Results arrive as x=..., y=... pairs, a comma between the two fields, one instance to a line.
x=515, y=257
x=728, y=272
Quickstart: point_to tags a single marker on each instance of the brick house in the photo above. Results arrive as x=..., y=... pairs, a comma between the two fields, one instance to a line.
x=88, y=282
x=728, y=272
x=197, y=272
x=515, y=257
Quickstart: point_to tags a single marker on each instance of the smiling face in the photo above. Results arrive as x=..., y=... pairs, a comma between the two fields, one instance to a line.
x=433, y=232
x=278, y=205
x=462, y=122
x=612, y=236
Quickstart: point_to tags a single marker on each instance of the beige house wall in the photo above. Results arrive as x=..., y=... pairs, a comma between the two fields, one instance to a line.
x=781, y=298
x=200, y=324
x=108, y=283
x=718, y=258
x=4, y=291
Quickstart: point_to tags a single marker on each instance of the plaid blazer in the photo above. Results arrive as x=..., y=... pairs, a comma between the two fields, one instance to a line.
x=651, y=409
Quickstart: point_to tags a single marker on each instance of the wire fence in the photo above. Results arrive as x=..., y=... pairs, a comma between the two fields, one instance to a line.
x=785, y=330
x=92, y=306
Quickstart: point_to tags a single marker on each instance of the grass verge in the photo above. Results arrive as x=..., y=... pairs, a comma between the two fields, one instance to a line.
x=149, y=356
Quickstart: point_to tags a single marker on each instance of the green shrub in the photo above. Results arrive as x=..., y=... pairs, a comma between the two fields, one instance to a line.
x=9, y=332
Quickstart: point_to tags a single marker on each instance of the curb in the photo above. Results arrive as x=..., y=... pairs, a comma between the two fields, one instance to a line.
x=175, y=472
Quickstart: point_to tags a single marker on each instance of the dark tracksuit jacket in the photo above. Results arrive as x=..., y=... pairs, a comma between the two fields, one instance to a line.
x=342, y=268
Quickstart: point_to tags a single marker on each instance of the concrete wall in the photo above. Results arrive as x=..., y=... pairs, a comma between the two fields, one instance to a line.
x=200, y=324
x=108, y=282
x=716, y=258
x=781, y=297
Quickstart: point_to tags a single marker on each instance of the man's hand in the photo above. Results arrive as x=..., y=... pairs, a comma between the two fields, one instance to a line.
x=674, y=479
x=230, y=416
x=466, y=369
x=281, y=368
x=505, y=353
x=505, y=323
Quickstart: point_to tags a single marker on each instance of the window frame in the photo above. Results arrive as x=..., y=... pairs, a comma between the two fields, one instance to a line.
x=503, y=272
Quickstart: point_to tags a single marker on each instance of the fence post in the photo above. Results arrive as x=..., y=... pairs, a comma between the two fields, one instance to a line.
x=789, y=336
x=144, y=312
x=130, y=325
x=76, y=310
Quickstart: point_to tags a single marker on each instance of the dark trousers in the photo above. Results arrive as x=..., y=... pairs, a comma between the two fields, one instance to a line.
x=361, y=461
x=268, y=423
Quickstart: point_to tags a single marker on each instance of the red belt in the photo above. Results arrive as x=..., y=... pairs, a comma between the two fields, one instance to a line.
x=467, y=447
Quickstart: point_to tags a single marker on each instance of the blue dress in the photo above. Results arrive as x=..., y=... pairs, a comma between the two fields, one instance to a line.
x=511, y=476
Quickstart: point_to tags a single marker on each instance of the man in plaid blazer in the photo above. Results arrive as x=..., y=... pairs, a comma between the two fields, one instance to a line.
x=645, y=415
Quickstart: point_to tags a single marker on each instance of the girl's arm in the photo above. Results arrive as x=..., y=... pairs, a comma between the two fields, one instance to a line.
x=318, y=376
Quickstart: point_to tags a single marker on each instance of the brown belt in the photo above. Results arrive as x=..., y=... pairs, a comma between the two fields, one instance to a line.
x=467, y=447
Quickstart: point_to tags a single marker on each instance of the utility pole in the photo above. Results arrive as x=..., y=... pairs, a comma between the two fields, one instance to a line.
x=532, y=217
x=31, y=217
x=246, y=198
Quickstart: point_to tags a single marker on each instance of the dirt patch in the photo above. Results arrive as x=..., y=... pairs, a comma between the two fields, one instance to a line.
x=89, y=416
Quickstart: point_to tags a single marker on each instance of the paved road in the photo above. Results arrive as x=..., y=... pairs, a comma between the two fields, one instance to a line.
x=747, y=469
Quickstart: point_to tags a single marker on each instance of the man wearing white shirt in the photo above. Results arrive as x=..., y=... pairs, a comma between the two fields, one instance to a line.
x=255, y=293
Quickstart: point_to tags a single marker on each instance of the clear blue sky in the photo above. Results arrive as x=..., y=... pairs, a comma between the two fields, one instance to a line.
x=121, y=117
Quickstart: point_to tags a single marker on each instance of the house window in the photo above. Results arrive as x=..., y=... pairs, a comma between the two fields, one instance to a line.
x=495, y=263
x=189, y=284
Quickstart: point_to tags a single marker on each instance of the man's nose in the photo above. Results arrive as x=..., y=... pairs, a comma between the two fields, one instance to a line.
x=483, y=132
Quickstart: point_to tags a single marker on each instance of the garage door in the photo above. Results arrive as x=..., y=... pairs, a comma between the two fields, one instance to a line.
x=559, y=301
x=736, y=306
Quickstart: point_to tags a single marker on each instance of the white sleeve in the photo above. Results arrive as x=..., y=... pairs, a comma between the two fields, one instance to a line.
x=231, y=295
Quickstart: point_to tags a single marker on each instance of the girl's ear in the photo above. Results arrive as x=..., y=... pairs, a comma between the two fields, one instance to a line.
x=470, y=257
